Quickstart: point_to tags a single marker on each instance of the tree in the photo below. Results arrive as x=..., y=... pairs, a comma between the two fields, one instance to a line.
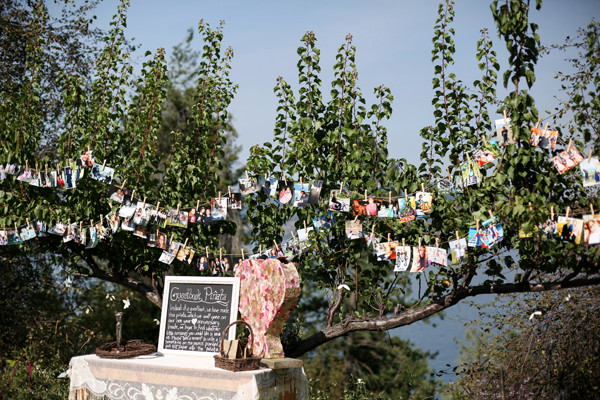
x=343, y=142
x=553, y=353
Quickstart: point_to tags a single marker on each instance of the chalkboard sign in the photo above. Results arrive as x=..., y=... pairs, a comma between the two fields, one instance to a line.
x=195, y=312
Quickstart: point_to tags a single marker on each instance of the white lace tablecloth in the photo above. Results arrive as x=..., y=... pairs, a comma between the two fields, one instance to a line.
x=175, y=377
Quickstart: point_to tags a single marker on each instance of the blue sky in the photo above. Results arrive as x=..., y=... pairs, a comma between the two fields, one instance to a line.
x=392, y=37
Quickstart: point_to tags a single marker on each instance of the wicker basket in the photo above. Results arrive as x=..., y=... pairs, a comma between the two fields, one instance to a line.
x=236, y=364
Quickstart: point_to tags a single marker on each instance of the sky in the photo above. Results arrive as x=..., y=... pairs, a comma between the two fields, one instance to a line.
x=393, y=40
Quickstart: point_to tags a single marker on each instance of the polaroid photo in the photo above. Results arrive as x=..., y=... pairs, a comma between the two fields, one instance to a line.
x=470, y=173
x=3, y=238
x=178, y=218
x=494, y=233
x=14, y=237
x=437, y=256
x=53, y=178
x=27, y=232
x=193, y=216
x=12, y=169
x=407, y=209
x=324, y=221
x=235, y=201
x=285, y=192
x=591, y=229
x=487, y=153
x=157, y=239
x=116, y=193
x=419, y=260
x=185, y=254
x=549, y=230
x=354, y=229
x=249, y=185
x=475, y=238
x=567, y=159
x=291, y=248
x=387, y=209
x=445, y=186
x=403, y=258
x=158, y=217
x=2, y=173
x=236, y=262
x=40, y=227
x=93, y=238
x=339, y=201
x=504, y=132
x=372, y=239
x=201, y=263
x=86, y=159
x=70, y=177
x=113, y=222
x=141, y=216
x=128, y=206
x=102, y=230
x=72, y=233
x=127, y=224
x=274, y=252
x=59, y=228
x=169, y=255
x=570, y=229
x=24, y=176
x=543, y=138
x=459, y=185
x=423, y=204
x=141, y=231
x=386, y=251
x=315, y=192
x=60, y=179
x=269, y=186
x=301, y=193
x=590, y=171
x=102, y=173
x=358, y=207
x=458, y=251
x=303, y=234
x=218, y=208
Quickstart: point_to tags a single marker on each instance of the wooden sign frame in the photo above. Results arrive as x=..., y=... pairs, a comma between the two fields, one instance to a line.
x=192, y=306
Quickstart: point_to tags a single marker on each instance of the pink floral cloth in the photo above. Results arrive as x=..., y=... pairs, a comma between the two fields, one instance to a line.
x=269, y=291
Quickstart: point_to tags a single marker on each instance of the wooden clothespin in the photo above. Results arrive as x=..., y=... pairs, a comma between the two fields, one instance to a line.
x=390, y=197
x=185, y=244
x=80, y=226
x=220, y=253
x=355, y=218
x=546, y=127
x=177, y=211
x=567, y=213
x=419, y=242
x=158, y=204
x=389, y=235
x=275, y=243
x=437, y=243
x=91, y=223
x=468, y=158
x=46, y=168
x=132, y=194
x=26, y=166
x=538, y=123
x=229, y=191
x=449, y=176
x=406, y=195
x=373, y=230
x=219, y=199
x=266, y=177
x=477, y=226
x=260, y=249
x=457, y=235
x=144, y=202
x=552, y=213
x=569, y=146
x=284, y=179
x=403, y=244
x=123, y=184
x=103, y=164
x=207, y=254
x=247, y=175
x=16, y=230
x=591, y=209
x=423, y=187
x=491, y=215
x=294, y=237
x=27, y=219
x=101, y=219
x=57, y=167
x=304, y=224
x=485, y=145
x=242, y=254
x=197, y=204
x=341, y=186
x=590, y=155
x=505, y=116
x=366, y=195
x=301, y=183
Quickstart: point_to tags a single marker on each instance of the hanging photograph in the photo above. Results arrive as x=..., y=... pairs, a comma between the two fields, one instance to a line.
x=113, y=222
x=437, y=256
x=2, y=173
x=570, y=229
x=179, y=218
x=59, y=228
x=407, y=209
x=269, y=186
x=70, y=178
x=12, y=169
x=93, y=238
x=423, y=204
x=142, y=212
x=286, y=192
x=27, y=232
x=127, y=224
x=458, y=251
x=53, y=178
x=141, y=231
x=386, y=251
x=13, y=237
x=167, y=256
x=235, y=201
x=301, y=194
x=470, y=173
x=372, y=239
x=290, y=248
x=249, y=185
x=504, y=132
x=403, y=258
x=359, y=207
x=128, y=206
x=590, y=171
x=218, y=208
x=3, y=238
x=591, y=229
x=24, y=176
x=419, y=259
x=550, y=230
x=86, y=159
x=303, y=234
x=445, y=186
x=158, y=217
x=40, y=227
x=567, y=159
x=543, y=138
x=315, y=192
x=185, y=254
x=487, y=153
x=354, y=229
x=116, y=193
x=475, y=238
x=387, y=209
x=102, y=173
x=339, y=201
x=324, y=221
x=72, y=233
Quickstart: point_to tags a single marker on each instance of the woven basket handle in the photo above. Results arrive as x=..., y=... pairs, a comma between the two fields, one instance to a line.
x=250, y=339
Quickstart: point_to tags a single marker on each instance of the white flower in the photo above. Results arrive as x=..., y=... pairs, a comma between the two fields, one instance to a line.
x=359, y=381
x=533, y=315
x=68, y=282
x=110, y=296
x=344, y=286
x=126, y=303
x=568, y=297
x=157, y=321
x=87, y=309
